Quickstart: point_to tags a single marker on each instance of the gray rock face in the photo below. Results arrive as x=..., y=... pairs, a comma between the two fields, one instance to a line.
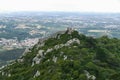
x=65, y=57
x=40, y=45
x=40, y=53
x=9, y=75
x=37, y=74
x=56, y=47
x=54, y=59
x=38, y=57
x=20, y=60
x=36, y=60
x=75, y=40
x=89, y=77
x=27, y=50
x=48, y=50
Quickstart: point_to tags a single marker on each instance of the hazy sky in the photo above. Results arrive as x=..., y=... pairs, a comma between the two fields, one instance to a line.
x=60, y=5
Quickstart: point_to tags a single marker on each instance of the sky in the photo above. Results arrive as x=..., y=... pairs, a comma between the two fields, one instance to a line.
x=60, y=5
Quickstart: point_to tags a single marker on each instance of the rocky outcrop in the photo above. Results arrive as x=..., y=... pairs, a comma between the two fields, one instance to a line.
x=41, y=53
x=89, y=76
x=37, y=74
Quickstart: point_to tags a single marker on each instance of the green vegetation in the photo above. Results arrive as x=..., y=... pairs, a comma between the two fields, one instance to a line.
x=92, y=59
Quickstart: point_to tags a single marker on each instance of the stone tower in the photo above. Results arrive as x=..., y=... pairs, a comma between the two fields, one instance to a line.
x=69, y=30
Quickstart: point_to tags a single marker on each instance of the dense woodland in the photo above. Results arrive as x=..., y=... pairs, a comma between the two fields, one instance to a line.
x=92, y=59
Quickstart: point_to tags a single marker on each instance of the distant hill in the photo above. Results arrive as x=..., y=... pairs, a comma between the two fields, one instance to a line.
x=67, y=56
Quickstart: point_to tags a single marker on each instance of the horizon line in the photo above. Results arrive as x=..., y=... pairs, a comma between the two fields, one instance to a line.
x=4, y=12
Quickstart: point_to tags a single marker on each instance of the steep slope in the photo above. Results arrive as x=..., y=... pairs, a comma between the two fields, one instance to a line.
x=67, y=56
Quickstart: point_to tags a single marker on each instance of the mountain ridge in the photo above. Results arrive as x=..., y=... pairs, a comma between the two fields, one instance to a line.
x=67, y=56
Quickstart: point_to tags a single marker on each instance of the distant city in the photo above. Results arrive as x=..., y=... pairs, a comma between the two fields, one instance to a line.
x=20, y=30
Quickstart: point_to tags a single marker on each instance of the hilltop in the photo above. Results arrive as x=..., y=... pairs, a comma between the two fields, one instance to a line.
x=67, y=55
